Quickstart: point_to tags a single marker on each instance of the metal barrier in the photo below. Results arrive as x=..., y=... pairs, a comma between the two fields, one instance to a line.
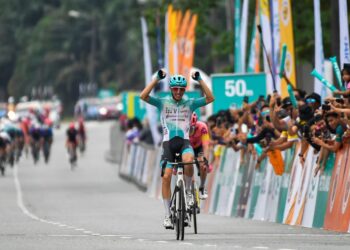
x=237, y=189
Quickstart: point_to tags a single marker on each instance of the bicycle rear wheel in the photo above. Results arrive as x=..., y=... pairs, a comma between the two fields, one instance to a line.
x=194, y=207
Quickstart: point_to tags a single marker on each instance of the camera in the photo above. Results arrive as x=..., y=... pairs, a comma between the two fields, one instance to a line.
x=326, y=107
x=339, y=100
x=246, y=99
x=279, y=101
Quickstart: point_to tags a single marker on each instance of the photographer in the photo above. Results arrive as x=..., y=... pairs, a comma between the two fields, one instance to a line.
x=335, y=126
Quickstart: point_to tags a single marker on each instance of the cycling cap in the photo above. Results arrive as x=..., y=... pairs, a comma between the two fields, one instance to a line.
x=178, y=81
x=194, y=119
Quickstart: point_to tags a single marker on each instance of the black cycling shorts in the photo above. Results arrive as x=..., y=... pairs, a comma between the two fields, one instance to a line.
x=175, y=145
x=198, y=151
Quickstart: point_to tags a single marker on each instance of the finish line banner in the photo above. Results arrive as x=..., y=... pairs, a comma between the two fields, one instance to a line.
x=230, y=89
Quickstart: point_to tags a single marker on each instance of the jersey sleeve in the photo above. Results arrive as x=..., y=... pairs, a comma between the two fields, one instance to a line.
x=339, y=134
x=204, y=135
x=154, y=101
x=199, y=102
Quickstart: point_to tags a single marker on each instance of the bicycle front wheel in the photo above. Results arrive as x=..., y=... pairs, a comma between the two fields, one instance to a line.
x=182, y=210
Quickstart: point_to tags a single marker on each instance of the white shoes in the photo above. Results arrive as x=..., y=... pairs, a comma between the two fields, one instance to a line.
x=203, y=194
x=167, y=223
x=189, y=198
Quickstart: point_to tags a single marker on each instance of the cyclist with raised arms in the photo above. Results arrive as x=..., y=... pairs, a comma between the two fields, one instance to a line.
x=176, y=111
x=199, y=139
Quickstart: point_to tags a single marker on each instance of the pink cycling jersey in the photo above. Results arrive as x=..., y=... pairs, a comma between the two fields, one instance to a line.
x=200, y=136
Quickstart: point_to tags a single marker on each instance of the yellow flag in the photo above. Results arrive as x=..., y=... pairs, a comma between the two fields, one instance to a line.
x=286, y=37
x=181, y=39
x=189, y=47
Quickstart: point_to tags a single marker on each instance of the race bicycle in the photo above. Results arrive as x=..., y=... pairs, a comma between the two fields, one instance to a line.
x=182, y=214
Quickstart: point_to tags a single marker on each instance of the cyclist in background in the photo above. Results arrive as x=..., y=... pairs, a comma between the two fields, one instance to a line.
x=47, y=138
x=35, y=140
x=72, y=142
x=176, y=111
x=199, y=138
x=82, y=134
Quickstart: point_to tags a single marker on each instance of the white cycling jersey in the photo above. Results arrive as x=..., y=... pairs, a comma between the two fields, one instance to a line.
x=175, y=116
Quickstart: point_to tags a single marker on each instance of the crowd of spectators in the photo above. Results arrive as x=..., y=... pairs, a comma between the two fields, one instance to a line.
x=275, y=124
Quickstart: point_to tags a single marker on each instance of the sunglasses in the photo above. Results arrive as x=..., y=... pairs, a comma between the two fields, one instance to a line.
x=178, y=89
x=310, y=100
x=266, y=112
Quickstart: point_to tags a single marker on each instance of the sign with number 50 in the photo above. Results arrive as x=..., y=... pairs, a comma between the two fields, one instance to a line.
x=230, y=89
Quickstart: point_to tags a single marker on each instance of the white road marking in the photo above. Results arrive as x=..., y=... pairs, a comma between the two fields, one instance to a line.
x=260, y=247
x=209, y=245
x=68, y=235
x=111, y=235
x=286, y=249
x=186, y=243
x=79, y=229
x=88, y=232
x=161, y=241
x=125, y=237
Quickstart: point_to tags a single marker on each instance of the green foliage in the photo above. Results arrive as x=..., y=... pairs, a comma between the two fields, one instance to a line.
x=42, y=45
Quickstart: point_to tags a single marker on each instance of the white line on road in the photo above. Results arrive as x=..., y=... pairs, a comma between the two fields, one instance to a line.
x=286, y=249
x=186, y=243
x=209, y=245
x=260, y=247
x=68, y=235
x=125, y=237
x=161, y=241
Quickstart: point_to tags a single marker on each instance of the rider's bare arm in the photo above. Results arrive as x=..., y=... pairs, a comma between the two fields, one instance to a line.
x=148, y=89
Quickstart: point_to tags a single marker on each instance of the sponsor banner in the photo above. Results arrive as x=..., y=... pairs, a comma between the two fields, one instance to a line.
x=311, y=196
x=156, y=179
x=210, y=187
x=261, y=204
x=288, y=164
x=331, y=221
x=303, y=188
x=293, y=186
x=246, y=186
x=217, y=183
x=273, y=197
x=323, y=192
x=287, y=37
x=344, y=216
x=239, y=188
x=254, y=194
x=228, y=176
x=337, y=214
x=235, y=163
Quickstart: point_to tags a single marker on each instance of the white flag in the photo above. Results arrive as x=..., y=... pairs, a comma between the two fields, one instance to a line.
x=151, y=110
x=319, y=56
x=244, y=24
x=344, y=33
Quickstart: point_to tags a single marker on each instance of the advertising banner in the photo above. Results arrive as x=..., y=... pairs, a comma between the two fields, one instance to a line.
x=230, y=89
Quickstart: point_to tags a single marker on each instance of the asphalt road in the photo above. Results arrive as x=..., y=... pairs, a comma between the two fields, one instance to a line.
x=51, y=207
